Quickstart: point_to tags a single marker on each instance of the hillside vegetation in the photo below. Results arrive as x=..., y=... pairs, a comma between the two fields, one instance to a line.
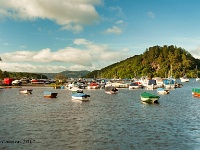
x=156, y=61
x=68, y=74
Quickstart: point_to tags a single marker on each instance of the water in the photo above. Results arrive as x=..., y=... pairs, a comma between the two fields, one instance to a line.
x=111, y=122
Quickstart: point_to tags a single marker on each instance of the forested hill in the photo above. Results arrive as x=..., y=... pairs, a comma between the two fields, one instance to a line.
x=68, y=74
x=156, y=61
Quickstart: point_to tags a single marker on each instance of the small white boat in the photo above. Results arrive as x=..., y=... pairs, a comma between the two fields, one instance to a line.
x=76, y=90
x=162, y=91
x=80, y=96
x=184, y=79
x=111, y=90
x=26, y=91
x=197, y=79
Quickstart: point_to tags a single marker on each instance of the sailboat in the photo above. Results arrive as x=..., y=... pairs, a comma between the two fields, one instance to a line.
x=170, y=75
x=169, y=83
x=197, y=78
x=184, y=78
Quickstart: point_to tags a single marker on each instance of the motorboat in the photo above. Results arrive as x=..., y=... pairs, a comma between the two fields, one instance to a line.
x=149, y=98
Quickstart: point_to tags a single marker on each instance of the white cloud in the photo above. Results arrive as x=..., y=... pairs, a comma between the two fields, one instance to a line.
x=196, y=53
x=114, y=30
x=119, y=22
x=70, y=14
x=151, y=14
x=24, y=67
x=87, y=55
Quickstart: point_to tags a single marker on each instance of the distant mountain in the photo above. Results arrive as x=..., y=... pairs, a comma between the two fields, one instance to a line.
x=155, y=61
x=69, y=74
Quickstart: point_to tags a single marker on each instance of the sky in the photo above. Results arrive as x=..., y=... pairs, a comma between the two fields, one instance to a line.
x=51, y=36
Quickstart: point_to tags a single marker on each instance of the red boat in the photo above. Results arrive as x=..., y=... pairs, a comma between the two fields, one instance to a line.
x=93, y=85
x=37, y=81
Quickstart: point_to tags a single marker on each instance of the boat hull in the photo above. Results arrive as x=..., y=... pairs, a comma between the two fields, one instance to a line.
x=196, y=92
x=197, y=79
x=149, y=98
x=80, y=96
x=184, y=79
x=25, y=91
x=162, y=91
x=50, y=95
x=111, y=92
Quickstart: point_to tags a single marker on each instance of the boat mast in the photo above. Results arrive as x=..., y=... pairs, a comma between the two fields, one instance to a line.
x=171, y=71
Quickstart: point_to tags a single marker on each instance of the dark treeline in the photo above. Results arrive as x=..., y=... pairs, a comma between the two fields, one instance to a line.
x=156, y=61
x=19, y=75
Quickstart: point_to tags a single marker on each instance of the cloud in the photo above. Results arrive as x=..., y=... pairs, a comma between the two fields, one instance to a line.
x=196, y=53
x=119, y=22
x=70, y=14
x=114, y=30
x=151, y=14
x=24, y=67
x=83, y=55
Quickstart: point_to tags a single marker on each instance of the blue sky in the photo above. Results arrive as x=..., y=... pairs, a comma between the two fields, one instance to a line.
x=53, y=36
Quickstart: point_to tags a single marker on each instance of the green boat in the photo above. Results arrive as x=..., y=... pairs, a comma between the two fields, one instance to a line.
x=196, y=92
x=149, y=98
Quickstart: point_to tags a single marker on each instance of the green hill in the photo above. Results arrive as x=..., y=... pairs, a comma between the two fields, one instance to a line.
x=68, y=74
x=155, y=61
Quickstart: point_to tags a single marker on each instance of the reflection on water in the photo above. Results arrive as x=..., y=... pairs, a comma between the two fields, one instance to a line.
x=118, y=121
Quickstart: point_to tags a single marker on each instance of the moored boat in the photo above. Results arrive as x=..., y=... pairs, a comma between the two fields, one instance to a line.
x=76, y=90
x=162, y=91
x=169, y=83
x=111, y=90
x=93, y=85
x=80, y=96
x=48, y=94
x=196, y=92
x=184, y=79
x=135, y=85
x=149, y=98
x=151, y=85
x=26, y=91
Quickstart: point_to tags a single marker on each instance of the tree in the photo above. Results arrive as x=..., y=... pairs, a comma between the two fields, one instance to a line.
x=1, y=74
x=60, y=77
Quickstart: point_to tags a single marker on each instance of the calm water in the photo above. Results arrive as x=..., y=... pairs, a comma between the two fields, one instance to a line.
x=106, y=122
